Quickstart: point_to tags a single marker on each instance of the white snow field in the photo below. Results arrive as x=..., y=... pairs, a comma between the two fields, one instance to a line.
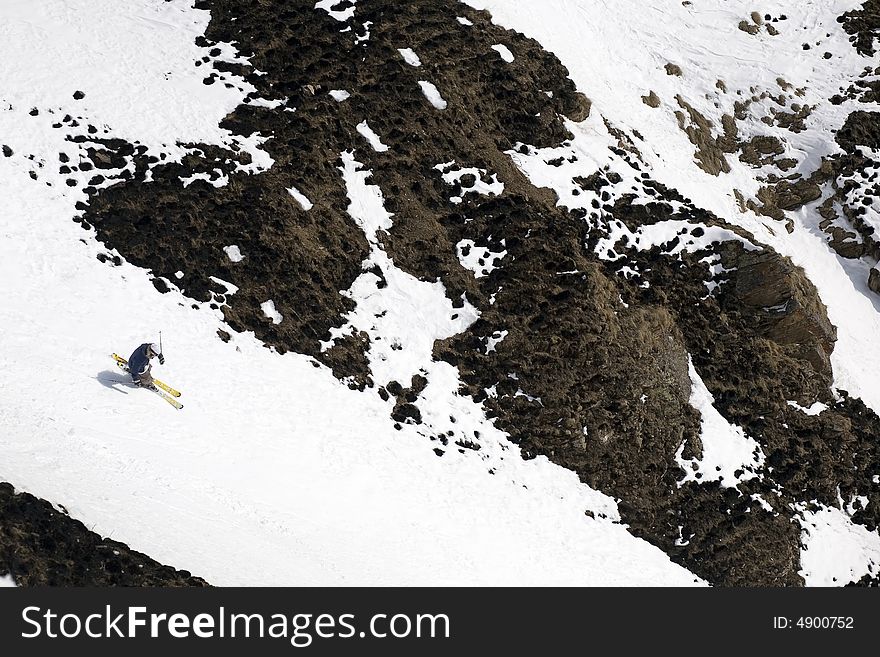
x=274, y=472
x=616, y=53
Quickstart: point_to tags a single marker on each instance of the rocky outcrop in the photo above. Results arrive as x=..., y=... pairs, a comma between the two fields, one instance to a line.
x=790, y=309
x=43, y=546
x=860, y=129
x=862, y=24
x=874, y=280
x=710, y=147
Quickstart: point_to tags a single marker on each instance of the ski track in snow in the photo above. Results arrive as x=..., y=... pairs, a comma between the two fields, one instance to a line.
x=275, y=472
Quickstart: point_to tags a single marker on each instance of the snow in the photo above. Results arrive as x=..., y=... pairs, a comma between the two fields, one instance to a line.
x=836, y=550
x=366, y=203
x=221, y=180
x=268, y=308
x=504, y=51
x=409, y=56
x=374, y=140
x=479, y=259
x=463, y=20
x=646, y=237
x=452, y=175
x=268, y=104
x=300, y=198
x=814, y=409
x=405, y=316
x=6, y=581
x=230, y=288
x=726, y=447
x=53, y=48
x=432, y=94
x=494, y=340
x=339, y=94
x=234, y=253
x=341, y=15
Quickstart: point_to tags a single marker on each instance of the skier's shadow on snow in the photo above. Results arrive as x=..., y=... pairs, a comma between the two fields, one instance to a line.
x=112, y=380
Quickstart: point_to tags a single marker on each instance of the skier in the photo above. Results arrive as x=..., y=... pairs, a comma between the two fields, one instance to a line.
x=139, y=363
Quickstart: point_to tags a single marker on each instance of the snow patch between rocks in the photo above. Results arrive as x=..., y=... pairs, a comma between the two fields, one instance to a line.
x=432, y=94
x=233, y=253
x=300, y=198
x=341, y=15
x=729, y=455
x=409, y=56
x=504, y=51
x=367, y=132
x=268, y=308
x=815, y=409
x=404, y=316
x=452, y=176
x=479, y=259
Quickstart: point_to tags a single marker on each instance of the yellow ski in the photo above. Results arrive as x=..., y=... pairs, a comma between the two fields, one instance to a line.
x=123, y=363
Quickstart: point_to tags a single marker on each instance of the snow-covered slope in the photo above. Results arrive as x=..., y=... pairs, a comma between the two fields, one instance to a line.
x=274, y=472
x=438, y=318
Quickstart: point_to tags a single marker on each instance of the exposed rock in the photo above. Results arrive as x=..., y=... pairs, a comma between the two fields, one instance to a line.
x=42, y=546
x=348, y=360
x=863, y=26
x=874, y=280
x=790, y=196
x=745, y=26
x=651, y=100
x=792, y=121
x=792, y=313
x=710, y=148
x=576, y=106
x=760, y=150
x=860, y=129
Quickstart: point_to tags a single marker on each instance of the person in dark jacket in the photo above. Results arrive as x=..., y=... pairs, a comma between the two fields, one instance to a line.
x=139, y=363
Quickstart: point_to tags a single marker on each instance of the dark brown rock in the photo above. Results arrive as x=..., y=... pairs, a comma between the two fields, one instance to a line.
x=874, y=280
x=651, y=100
x=43, y=546
x=792, y=312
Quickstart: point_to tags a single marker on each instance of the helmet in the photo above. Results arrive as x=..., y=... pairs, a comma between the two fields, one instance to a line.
x=153, y=349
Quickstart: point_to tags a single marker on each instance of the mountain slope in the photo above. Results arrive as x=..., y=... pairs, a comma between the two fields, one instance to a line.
x=274, y=472
x=616, y=258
